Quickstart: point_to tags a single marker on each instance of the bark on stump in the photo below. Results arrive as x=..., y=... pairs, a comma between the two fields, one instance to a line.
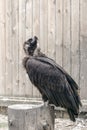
x=30, y=117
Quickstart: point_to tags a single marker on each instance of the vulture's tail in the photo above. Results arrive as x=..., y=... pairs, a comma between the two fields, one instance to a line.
x=72, y=115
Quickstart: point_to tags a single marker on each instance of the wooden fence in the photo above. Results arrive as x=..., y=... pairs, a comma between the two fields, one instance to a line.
x=61, y=26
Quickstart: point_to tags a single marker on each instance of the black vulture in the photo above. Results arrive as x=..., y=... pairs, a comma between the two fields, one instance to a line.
x=52, y=81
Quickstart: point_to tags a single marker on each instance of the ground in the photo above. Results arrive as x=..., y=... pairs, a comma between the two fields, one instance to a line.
x=60, y=124
x=66, y=124
x=3, y=122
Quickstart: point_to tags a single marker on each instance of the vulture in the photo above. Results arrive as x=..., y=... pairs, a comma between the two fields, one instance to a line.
x=56, y=86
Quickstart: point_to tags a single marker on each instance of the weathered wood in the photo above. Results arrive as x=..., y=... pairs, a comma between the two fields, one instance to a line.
x=51, y=28
x=83, y=48
x=9, y=48
x=66, y=36
x=2, y=48
x=75, y=66
x=30, y=117
x=15, y=46
x=22, y=38
x=59, y=31
x=43, y=25
x=62, y=30
x=36, y=18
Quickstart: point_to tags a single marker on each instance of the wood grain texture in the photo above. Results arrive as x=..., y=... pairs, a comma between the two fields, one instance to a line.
x=2, y=49
x=51, y=28
x=22, y=38
x=9, y=49
x=59, y=31
x=61, y=27
x=15, y=45
x=83, y=48
x=44, y=26
x=66, y=36
x=75, y=67
x=30, y=117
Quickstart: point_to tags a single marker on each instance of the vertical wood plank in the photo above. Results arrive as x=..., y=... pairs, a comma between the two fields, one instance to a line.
x=59, y=29
x=75, y=39
x=15, y=42
x=22, y=38
x=44, y=25
x=51, y=28
x=2, y=48
x=29, y=19
x=66, y=36
x=36, y=31
x=9, y=49
x=29, y=33
x=83, y=48
x=36, y=18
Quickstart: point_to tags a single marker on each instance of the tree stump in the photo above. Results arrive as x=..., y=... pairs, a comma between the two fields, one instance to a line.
x=30, y=117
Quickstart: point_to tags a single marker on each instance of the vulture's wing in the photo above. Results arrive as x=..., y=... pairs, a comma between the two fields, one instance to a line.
x=53, y=63
x=70, y=80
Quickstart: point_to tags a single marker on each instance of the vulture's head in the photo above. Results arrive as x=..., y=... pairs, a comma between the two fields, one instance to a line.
x=30, y=45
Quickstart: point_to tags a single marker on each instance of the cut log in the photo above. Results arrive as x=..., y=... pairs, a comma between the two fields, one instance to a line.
x=30, y=117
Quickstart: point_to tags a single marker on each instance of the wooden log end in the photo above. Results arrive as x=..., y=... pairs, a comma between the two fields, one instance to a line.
x=30, y=117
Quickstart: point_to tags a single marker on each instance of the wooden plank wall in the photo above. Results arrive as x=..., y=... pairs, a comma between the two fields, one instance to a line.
x=61, y=27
